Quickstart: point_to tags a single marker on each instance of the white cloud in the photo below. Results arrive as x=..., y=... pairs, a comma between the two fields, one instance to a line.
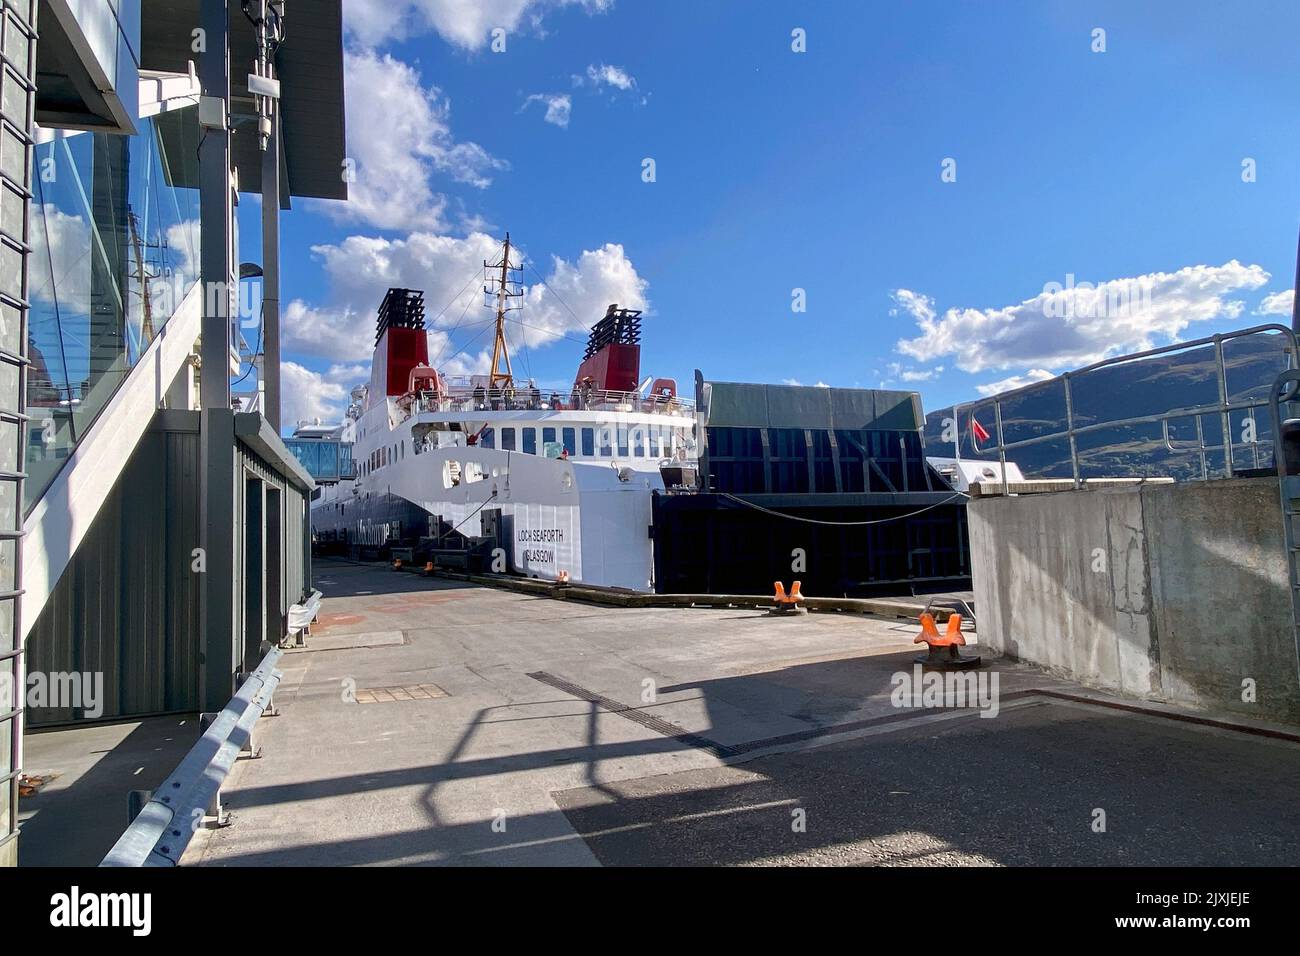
x=599, y=278
x=558, y=107
x=307, y=395
x=606, y=75
x=796, y=382
x=1278, y=303
x=1077, y=325
x=920, y=306
x=1014, y=382
x=467, y=24
x=896, y=371
x=60, y=241
x=183, y=238
x=449, y=270
x=399, y=137
x=920, y=375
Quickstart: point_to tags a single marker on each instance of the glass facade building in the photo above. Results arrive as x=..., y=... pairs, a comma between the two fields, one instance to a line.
x=115, y=250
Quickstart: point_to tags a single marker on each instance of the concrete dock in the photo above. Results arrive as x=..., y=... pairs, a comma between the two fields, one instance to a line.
x=434, y=722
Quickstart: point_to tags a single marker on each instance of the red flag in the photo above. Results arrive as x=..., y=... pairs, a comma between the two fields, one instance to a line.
x=978, y=430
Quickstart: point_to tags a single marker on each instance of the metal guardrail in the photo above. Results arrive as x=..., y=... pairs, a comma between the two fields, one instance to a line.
x=301, y=615
x=163, y=829
x=1072, y=431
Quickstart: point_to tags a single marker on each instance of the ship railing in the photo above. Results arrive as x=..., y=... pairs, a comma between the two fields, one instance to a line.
x=461, y=398
x=1077, y=426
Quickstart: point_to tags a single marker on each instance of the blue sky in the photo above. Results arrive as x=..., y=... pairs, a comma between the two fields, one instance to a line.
x=778, y=170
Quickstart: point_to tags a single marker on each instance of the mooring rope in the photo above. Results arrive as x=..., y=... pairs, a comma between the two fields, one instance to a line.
x=844, y=524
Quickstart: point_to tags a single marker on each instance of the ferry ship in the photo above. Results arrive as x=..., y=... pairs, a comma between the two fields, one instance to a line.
x=537, y=482
x=619, y=481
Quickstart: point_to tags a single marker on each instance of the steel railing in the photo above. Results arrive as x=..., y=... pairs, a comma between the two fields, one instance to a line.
x=164, y=827
x=1223, y=408
x=459, y=398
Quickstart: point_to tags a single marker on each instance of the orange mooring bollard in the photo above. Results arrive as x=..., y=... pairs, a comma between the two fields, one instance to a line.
x=943, y=647
x=783, y=603
x=428, y=567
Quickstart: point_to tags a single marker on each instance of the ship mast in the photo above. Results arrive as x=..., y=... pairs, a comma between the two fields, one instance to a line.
x=502, y=288
x=143, y=278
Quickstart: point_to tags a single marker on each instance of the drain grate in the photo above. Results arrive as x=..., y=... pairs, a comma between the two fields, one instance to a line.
x=386, y=695
x=633, y=714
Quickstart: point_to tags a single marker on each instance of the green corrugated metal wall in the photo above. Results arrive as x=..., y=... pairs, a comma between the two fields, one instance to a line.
x=128, y=603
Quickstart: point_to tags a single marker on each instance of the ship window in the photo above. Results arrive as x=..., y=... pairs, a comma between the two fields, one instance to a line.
x=488, y=439
x=570, y=441
x=588, y=443
x=508, y=439
x=622, y=442
x=473, y=471
x=606, y=437
x=638, y=442
x=548, y=436
x=530, y=441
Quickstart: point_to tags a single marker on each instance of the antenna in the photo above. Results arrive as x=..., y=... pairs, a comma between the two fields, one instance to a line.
x=503, y=284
